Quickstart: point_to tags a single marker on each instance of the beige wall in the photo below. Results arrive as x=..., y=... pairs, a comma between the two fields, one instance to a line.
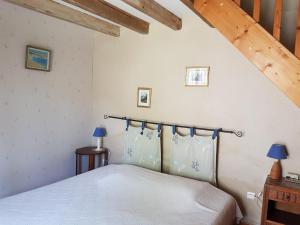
x=43, y=116
x=238, y=97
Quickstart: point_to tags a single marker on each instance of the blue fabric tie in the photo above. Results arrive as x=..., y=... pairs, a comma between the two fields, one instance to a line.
x=143, y=127
x=192, y=131
x=174, y=129
x=159, y=129
x=127, y=124
x=216, y=133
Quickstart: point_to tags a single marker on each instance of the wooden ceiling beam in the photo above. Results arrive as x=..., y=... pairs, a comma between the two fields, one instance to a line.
x=60, y=11
x=255, y=43
x=108, y=11
x=157, y=12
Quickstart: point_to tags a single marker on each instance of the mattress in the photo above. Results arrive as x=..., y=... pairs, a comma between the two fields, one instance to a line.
x=121, y=195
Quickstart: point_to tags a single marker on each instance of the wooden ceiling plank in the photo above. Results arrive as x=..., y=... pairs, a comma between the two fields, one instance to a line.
x=108, y=11
x=256, y=10
x=277, y=19
x=60, y=11
x=157, y=12
x=297, y=45
x=255, y=43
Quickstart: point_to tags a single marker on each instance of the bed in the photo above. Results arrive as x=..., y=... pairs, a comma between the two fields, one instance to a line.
x=121, y=195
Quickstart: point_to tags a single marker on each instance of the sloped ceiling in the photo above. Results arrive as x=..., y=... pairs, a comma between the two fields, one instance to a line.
x=275, y=61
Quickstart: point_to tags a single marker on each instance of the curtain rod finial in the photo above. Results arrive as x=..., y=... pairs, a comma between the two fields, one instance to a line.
x=105, y=116
x=238, y=133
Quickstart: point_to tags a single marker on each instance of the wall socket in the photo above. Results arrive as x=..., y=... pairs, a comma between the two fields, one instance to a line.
x=251, y=195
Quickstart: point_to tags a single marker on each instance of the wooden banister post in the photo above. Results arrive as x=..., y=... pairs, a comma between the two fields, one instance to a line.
x=277, y=19
x=256, y=10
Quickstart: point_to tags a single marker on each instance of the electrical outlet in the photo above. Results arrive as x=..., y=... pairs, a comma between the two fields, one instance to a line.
x=251, y=195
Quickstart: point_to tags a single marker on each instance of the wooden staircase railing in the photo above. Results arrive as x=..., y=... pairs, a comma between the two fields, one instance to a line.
x=264, y=50
x=256, y=10
x=278, y=7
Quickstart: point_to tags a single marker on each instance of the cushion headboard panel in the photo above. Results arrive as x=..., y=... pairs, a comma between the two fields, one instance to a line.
x=194, y=157
x=142, y=148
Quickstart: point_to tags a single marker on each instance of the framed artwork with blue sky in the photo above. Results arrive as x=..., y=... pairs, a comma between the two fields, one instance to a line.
x=37, y=58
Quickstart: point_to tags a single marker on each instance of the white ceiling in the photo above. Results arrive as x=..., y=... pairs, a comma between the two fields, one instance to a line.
x=175, y=6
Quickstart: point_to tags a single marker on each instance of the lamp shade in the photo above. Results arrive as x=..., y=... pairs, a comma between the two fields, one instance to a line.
x=99, y=132
x=277, y=151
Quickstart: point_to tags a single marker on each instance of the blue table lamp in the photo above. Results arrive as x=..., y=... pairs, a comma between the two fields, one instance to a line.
x=277, y=151
x=99, y=133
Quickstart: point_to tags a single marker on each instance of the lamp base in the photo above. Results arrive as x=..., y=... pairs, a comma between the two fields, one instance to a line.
x=99, y=144
x=276, y=171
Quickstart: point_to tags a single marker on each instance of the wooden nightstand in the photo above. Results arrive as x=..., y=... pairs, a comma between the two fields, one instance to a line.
x=91, y=153
x=281, y=204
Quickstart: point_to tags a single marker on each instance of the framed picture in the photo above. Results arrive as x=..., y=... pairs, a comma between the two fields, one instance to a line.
x=197, y=76
x=144, y=97
x=37, y=58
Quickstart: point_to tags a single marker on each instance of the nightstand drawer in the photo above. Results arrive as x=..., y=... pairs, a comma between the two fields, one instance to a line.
x=284, y=196
x=298, y=199
x=291, y=197
x=273, y=194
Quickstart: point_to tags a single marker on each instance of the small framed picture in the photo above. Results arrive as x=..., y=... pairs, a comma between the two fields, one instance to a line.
x=197, y=76
x=37, y=58
x=144, y=97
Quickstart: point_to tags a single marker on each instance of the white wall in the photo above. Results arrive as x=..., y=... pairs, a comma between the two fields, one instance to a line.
x=43, y=116
x=238, y=97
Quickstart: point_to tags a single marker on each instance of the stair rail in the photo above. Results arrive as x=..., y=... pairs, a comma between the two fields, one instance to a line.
x=278, y=7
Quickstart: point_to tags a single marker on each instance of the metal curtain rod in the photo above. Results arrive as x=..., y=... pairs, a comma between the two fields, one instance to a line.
x=236, y=133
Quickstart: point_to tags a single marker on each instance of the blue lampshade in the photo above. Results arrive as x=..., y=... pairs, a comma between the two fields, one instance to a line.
x=99, y=132
x=277, y=151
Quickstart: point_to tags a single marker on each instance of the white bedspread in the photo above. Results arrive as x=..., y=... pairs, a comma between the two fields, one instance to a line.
x=121, y=195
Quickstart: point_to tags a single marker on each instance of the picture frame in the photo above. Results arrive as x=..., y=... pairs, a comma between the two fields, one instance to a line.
x=197, y=76
x=144, y=97
x=37, y=58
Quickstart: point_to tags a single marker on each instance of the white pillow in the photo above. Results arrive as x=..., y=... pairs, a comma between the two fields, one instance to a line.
x=144, y=149
x=194, y=157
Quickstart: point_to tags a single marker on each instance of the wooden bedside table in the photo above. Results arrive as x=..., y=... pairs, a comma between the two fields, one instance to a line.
x=281, y=204
x=91, y=153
